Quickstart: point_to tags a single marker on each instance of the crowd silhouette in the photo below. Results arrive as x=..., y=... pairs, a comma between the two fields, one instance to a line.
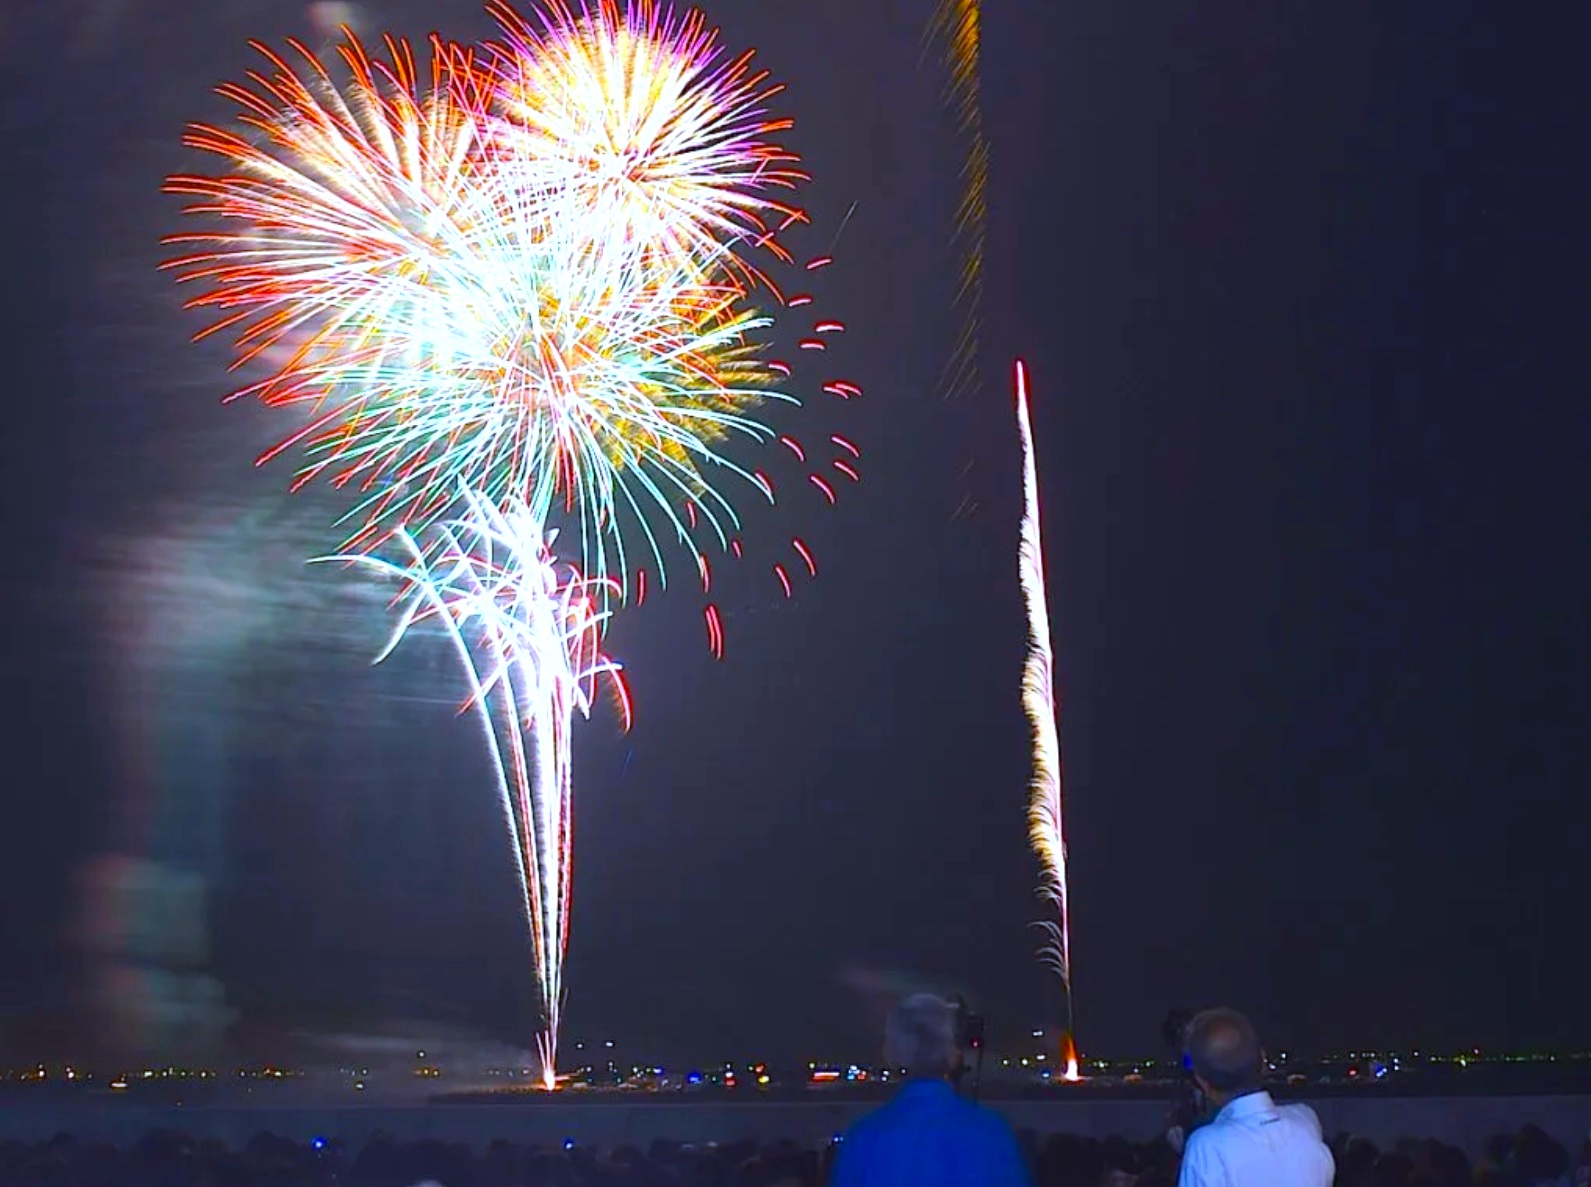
x=1530, y=1158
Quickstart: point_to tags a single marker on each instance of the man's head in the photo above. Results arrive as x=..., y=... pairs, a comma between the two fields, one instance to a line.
x=921, y=1036
x=1226, y=1054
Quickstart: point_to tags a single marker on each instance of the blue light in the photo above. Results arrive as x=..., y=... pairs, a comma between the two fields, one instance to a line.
x=693, y=1078
x=568, y=1143
x=318, y=1143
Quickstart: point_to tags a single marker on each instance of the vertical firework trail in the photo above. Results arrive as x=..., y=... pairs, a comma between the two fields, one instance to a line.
x=1045, y=817
x=958, y=24
x=528, y=631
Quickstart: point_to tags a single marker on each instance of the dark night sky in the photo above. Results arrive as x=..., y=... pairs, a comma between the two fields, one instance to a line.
x=1302, y=288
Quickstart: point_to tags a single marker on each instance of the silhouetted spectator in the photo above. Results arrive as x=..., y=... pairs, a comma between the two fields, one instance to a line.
x=1391, y=1170
x=1356, y=1158
x=1529, y=1158
x=1539, y=1160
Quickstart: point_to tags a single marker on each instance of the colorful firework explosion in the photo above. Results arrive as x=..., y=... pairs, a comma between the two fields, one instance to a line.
x=506, y=287
x=411, y=277
x=399, y=254
x=638, y=120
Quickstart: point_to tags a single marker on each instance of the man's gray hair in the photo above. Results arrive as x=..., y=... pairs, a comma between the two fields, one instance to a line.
x=921, y=1035
x=1225, y=1049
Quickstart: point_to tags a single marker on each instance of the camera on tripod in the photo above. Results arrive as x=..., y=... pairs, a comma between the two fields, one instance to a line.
x=969, y=1027
x=969, y=1038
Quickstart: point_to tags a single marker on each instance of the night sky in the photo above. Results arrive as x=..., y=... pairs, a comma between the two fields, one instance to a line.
x=1302, y=288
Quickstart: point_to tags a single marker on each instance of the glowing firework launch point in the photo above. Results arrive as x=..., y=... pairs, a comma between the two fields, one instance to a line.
x=1069, y=1053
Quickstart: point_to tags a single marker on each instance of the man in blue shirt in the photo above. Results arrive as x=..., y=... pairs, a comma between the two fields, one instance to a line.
x=928, y=1135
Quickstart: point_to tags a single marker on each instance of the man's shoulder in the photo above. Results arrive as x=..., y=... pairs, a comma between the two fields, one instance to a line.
x=957, y=1110
x=897, y=1113
x=964, y=1134
x=1200, y=1141
x=990, y=1118
x=1200, y=1158
x=1302, y=1115
x=940, y=1111
x=1211, y=1150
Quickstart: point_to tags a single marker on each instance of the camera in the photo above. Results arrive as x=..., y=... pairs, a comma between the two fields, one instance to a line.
x=969, y=1027
x=969, y=1037
x=1175, y=1031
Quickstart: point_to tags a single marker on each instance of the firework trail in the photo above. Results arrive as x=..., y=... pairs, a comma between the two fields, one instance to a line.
x=528, y=632
x=1045, y=819
x=958, y=24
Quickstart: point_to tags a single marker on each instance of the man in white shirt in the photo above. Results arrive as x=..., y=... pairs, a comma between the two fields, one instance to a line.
x=1252, y=1141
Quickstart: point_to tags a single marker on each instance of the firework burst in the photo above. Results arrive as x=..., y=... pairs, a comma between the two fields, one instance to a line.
x=340, y=211
x=639, y=121
x=450, y=303
x=528, y=632
x=806, y=469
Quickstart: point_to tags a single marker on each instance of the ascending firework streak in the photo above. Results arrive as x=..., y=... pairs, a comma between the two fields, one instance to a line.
x=528, y=632
x=959, y=24
x=1045, y=819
